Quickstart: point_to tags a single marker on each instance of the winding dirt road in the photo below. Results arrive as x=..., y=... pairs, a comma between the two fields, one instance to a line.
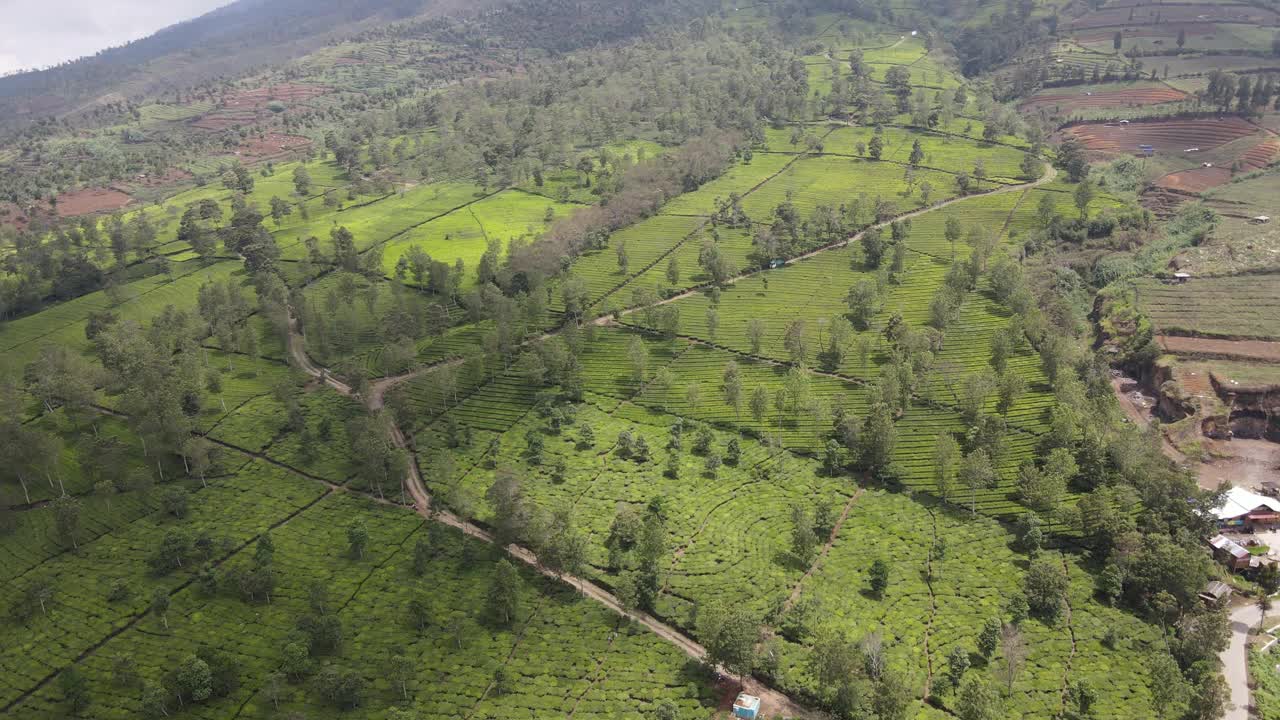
x=773, y=702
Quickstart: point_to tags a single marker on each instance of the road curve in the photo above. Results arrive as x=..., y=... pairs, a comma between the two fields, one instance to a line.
x=774, y=703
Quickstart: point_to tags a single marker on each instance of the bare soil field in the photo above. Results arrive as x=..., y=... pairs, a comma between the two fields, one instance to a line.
x=272, y=145
x=1195, y=180
x=1106, y=98
x=91, y=200
x=1233, y=349
x=1171, y=136
x=1189, y=13
x=172, y=176
x=224, y=119
x=285, y=93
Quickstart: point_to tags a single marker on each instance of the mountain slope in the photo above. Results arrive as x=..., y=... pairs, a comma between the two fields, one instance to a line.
x=232, y=39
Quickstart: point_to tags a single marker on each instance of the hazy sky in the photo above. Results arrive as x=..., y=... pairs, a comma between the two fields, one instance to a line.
x=37, y=33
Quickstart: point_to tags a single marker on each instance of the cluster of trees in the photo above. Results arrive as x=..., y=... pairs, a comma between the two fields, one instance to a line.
x=1247, y=94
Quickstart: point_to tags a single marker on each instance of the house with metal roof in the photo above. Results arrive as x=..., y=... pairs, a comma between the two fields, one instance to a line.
x=1243, y=509
x=1215, y=593
x=1229, y=552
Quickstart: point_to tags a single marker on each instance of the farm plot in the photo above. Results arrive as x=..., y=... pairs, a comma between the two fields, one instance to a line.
x=1211, y=307
x=644, y=244
x=952, y=154
x=735, y=244
x=1093, y=97
x=564, y=652
x=1166, y=136
x=741, y=179
x=730, y=526
x=801, y=422
x=464, y=233
x=831, y=180
x=21, y=340
x=236, y=507
x=376, y=222
x=940, y=602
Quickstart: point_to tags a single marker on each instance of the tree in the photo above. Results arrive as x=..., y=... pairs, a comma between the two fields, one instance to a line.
x=341, y=687
x=66, y=517
x=864, y=302
x=804, y=539
x=873, y=246
x=976, y=700
x=301, y=180
x=1083, y=196
x=875, y=147
x=917, y=153
x=755, y=334
x=160, y=605
x=357, y=539
x=1014, y=651
x=945, y=453
x=957, y=665
x=729, y=635
x=879, y=436
x=879, y=577
x=673, y=271
x=953, y=231
x=1031, y=167
x=989, y=638
x=977, y=473
x=1117, y=41
x=1045, y=586
x=401, y=671
x=504, y=593
x=193, y=680
x=638, y=356
x=624, y=260
x=75, y=690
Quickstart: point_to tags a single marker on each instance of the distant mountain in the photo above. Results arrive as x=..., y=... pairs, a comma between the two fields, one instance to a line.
x=227, y=41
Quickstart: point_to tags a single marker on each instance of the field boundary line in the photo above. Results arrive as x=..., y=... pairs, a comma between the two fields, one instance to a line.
x=798, y=589
x=137, y=617
x=702, y=225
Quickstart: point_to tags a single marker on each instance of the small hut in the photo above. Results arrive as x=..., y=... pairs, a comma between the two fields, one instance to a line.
x=746, y=706
x=1216, y=593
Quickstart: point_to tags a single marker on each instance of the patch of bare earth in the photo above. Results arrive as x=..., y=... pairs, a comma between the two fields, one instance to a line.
x=1262, y=350
x=91, y=200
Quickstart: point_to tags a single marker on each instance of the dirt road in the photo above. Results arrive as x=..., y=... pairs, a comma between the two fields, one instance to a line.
x=1235, y=661
x=773, y=703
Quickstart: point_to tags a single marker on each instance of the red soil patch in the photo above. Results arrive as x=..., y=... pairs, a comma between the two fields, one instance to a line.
x=1197, y=180
x=246, y=107
x=14, y=216
x=172, y=176
x=284, y=93
x=349, y=61
x=1260, y=155
x=1196, y=382
x=1107, y=98
x=1172, y=136
x=91, y=200
x=272, y=145
x=1230, y=349
x=224, y=119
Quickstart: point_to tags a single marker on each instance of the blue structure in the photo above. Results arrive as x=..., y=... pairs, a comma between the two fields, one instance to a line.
x=1147, y=150
x=746, y=706
x=775, y=264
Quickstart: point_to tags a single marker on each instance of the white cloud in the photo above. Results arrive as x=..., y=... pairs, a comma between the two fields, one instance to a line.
x=39, y=34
